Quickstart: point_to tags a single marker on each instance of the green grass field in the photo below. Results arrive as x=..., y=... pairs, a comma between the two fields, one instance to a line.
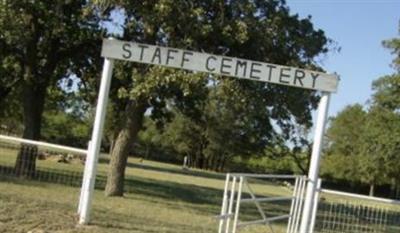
x=160, y=198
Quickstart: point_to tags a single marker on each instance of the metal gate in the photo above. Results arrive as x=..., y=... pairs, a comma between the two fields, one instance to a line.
x=239, y=191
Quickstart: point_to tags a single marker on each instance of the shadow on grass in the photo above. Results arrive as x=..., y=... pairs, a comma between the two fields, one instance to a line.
x=173, y=191
x=189, y=172
x=207, y=200
x=168, y=190
x=143, y=224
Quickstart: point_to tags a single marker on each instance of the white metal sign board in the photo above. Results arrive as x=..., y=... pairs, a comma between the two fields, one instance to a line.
x=220, y=65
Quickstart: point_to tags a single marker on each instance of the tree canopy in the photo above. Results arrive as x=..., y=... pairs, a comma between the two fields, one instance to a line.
x=43, y=42
x=257, y=30
x=364, y=143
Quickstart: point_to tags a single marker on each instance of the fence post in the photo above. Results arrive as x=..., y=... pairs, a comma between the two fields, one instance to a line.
x=315, y=162
x=231, y=200
x=92, y=156
x=222, y=221
x=292, y=206
x=239, y=196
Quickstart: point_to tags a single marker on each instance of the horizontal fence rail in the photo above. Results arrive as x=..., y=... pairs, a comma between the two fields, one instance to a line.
x=14, y=140
x=41, y=161
x=264, y=176
x=363, y=197
x=266, y=199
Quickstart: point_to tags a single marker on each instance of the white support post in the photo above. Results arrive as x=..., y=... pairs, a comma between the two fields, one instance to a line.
x=92, y=156
x=84, y=179
x=315, y=206
x=314, y=163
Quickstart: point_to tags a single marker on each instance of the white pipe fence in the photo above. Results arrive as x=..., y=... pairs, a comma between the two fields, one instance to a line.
x=50, y=162
x=55, y=147
x=237, y=185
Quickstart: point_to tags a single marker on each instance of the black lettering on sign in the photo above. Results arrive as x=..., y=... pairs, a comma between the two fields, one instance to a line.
x=254, y=71
x=299, y=75
x=126, y=47
x=225, y=65
x=208, y=63
x=240, y=65
x=184, y=58
x=169, y=56
x=157, y=54
x=270, y=67
x=282, y=75
x=142, y=51
x=314, y=77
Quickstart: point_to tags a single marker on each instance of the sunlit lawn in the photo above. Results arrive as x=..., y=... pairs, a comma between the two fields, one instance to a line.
x=160, y=198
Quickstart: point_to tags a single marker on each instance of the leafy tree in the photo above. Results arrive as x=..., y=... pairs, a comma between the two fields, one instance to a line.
x=345, y=129
x=380, y=147
x=394, y=45
x=65, y=129
x=257, y=30
x=364, y=145
x=147, y=91
x=185, y=137
x=10, y=115
x=344, y=139
x=386, y=92
x=225, y=125
x=386, y=116
x=42, y=42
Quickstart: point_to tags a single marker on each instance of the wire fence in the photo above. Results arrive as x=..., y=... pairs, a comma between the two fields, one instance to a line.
x=347, y=213
x=41, y=161
x=337, y=213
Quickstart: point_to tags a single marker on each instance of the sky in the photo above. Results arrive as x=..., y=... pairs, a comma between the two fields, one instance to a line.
x=358, y=27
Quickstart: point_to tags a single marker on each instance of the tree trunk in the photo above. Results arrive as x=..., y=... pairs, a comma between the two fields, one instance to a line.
x=213, y=161
x=127, y=135
x=111, y=145
x=190, y=160
x=4, y=91
x=200, y=161
x=371, y=190
x=222, y=163
x=218, y=161
x=206, y=162
x=393, y=188
x=33, y=98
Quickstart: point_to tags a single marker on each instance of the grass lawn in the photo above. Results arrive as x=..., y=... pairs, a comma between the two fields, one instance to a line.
x=160, y=198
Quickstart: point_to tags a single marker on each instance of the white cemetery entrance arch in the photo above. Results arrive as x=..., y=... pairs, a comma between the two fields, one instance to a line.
x=228, y=66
